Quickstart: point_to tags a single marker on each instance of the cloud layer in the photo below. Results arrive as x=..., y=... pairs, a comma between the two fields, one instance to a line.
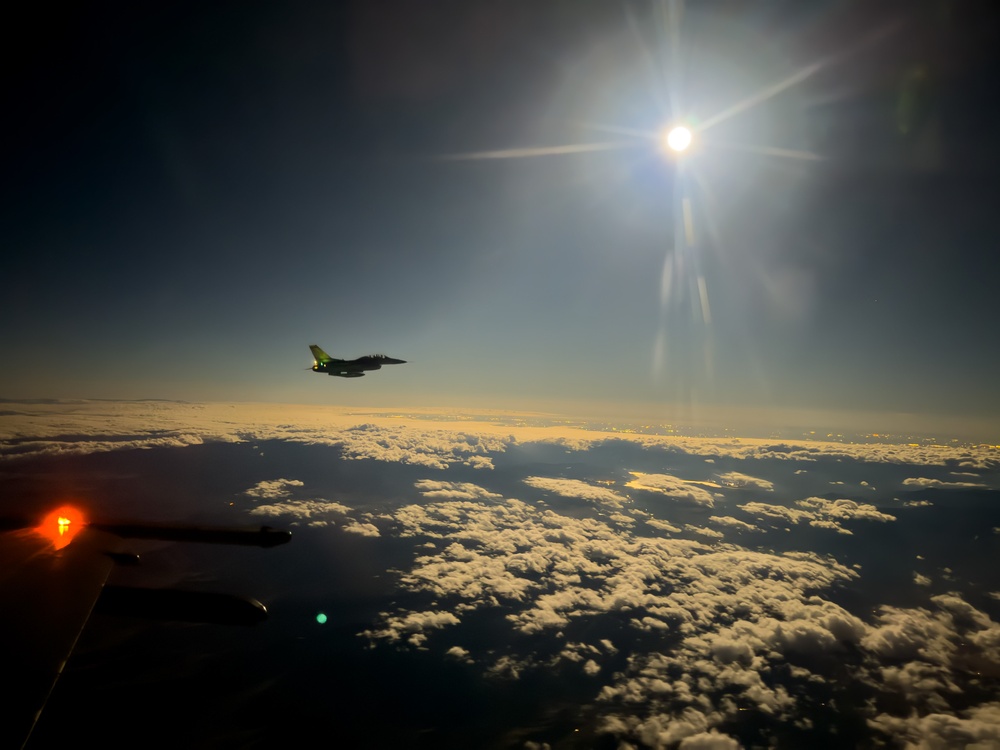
x=746, y=630
x=672, y=590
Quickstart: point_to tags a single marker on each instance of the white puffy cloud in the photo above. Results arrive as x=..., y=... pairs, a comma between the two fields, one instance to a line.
x=575, y=652
x=943, y=645
x=479, y=462
x=926, y=482
x=920, y=683
x=412, y=624
x=736, y=479
x=576, y=488
x=709, y=741
x=733, y=523
x=656, y=523
x=453, y=490
x=819, y=513
x=672, y=487
x=826, y=523
x=509, y=667
x=436, y=449
x=273, y=489
x=303, y=510
x=689, y=728
x=780, y=512
x=457, y=652
x=976, y=728
x=621, y=519
x=844, y=510
x=361, y=528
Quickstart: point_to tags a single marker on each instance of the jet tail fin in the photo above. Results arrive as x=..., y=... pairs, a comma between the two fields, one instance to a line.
x=319, y=354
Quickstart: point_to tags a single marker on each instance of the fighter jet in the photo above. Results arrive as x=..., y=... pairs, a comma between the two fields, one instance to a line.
x=349, y=368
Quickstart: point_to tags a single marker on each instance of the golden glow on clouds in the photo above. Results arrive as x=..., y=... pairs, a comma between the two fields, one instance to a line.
x=720, y=432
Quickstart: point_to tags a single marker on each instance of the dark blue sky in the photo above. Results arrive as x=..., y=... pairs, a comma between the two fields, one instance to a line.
x=196, y=193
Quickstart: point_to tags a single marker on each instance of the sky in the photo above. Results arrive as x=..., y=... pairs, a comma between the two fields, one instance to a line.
x=196, y=193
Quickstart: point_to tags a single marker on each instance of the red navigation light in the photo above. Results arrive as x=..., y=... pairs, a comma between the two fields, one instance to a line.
x=61, y=525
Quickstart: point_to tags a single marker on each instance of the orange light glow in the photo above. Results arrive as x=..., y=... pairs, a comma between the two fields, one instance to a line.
x=61, y=525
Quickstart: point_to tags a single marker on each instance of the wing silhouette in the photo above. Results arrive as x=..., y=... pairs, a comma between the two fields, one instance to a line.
x=52, y=576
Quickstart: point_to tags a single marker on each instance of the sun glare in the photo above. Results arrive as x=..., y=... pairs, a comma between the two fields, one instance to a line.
x=678, y=138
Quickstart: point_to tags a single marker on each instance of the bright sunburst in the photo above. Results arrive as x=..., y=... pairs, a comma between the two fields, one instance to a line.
x=685, y=291
x=678, y=139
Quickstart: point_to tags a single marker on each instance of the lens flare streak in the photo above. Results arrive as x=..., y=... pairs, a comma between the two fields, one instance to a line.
x=528, y=152
x=784, y=153
x=760, y=97
x=684, y=282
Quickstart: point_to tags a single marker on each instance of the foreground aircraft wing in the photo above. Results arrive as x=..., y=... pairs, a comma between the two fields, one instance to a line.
x=50, y=582
x=46, y=597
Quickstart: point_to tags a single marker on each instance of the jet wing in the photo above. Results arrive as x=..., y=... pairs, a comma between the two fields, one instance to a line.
x=51, y=577
x=46, y=597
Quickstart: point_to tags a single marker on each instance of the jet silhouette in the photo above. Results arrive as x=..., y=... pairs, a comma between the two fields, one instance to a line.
x=349, y=368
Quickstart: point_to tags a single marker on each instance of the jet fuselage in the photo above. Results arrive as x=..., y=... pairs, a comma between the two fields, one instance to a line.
x=350, y=368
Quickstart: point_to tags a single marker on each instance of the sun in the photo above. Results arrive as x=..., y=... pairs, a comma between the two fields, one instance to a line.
x=678, y=139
